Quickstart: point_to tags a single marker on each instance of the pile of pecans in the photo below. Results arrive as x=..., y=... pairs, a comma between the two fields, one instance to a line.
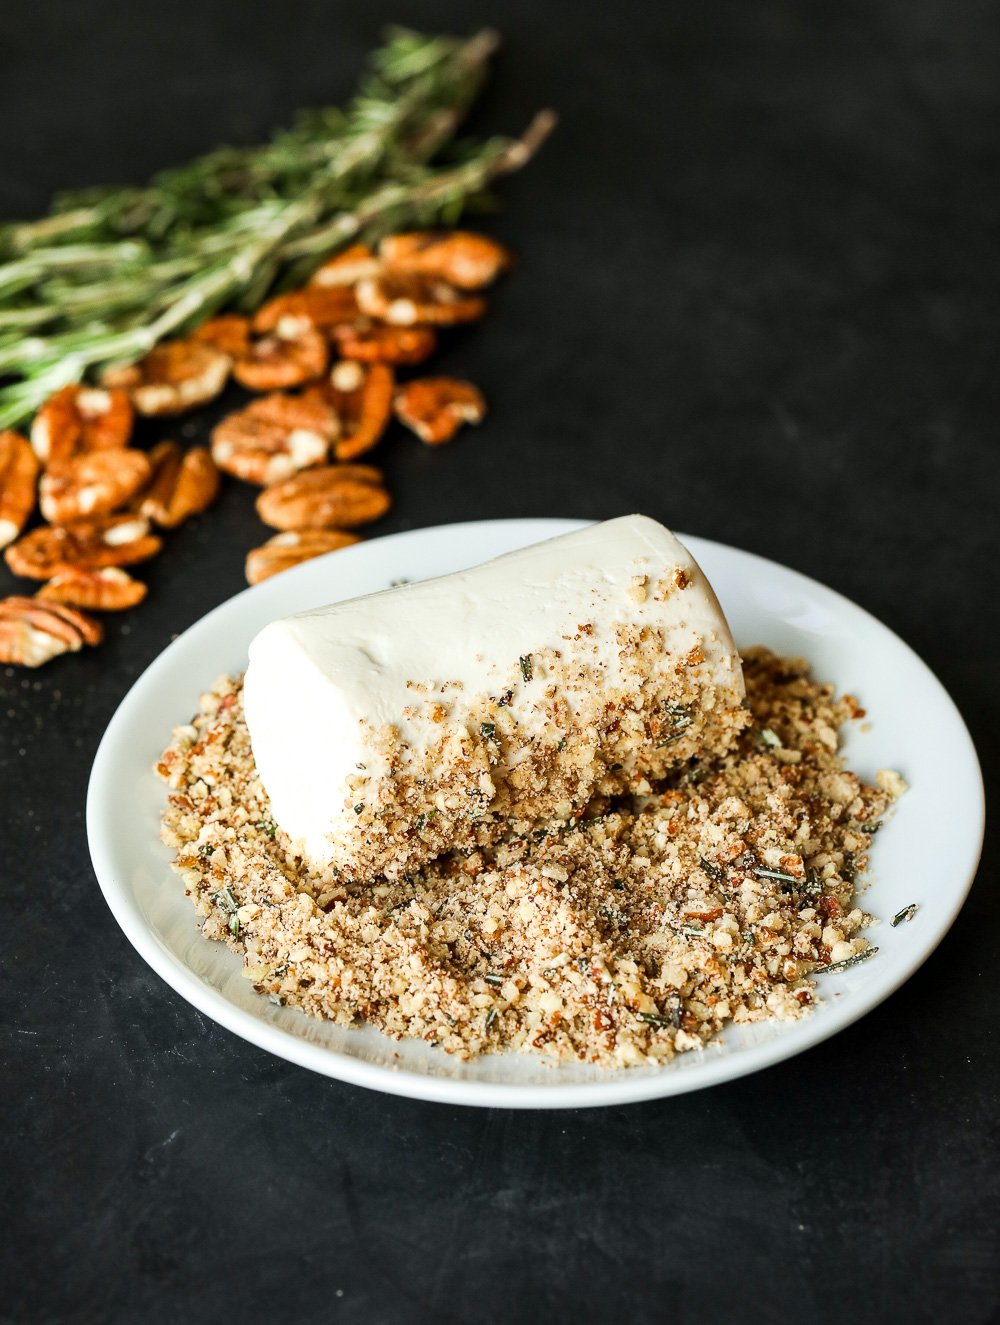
x=326, y=358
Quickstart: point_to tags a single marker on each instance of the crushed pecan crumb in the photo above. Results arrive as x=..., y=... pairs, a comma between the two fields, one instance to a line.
x=638, y=931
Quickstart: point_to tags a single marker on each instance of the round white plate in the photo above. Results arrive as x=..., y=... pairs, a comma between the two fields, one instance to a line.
x=915, y=728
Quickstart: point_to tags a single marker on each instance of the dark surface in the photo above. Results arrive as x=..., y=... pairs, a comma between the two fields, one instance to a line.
x=758, y=299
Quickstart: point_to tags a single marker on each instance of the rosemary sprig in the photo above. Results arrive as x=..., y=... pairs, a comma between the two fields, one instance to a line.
x=113, y=271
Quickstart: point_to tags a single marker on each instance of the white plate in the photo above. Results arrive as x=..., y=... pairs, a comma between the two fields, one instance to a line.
x=927, y=853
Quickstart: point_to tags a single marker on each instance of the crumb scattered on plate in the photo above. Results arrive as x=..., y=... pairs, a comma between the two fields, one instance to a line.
x=638, y=932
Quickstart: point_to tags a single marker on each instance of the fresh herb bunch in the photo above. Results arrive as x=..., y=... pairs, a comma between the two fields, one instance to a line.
x=109, y=272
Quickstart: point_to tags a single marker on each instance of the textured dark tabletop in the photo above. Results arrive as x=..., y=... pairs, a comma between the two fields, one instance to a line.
x=758, y=298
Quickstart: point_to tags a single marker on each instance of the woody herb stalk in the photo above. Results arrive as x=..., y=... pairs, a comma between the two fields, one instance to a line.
x=110, y=272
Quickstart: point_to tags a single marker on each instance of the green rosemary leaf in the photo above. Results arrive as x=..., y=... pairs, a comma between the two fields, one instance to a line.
x=112, y=271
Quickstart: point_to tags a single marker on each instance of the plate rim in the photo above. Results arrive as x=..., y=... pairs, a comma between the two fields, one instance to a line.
x=632, y=1086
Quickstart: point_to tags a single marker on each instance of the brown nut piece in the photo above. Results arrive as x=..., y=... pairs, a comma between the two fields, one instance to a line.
x=317, y=306
x=292, y=548
x=107, y=590
x=461, y=257
x=295, y=352
x=346, y=268
x=183, y=484
x=80, y=418
x=275, y=437
x=380, y=344
x=334, y=497
x=173, y=377
x=32, y=633
x=110, y=540
x=361, y=397
x=406, y=299
x=18, y=484
x=229, y=333
x=436, y=407
x=94, y=483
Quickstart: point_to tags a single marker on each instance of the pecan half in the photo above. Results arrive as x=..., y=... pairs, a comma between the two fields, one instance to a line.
x=183, y=484
x=295, y=352
x=461, y=257
x=361, y=397
x=318, y=306
x=334, y=497
x=32, y=633
x=229, y=333
x=94, y=483
x=107, y=590
x=111, y=540
x=18, y=484
x=292, y=548
x=405, y=299
x=275, y=437
x=347, y=267
x=80, y=418
x=173, y=377
x=436, y=407
x=372, y=343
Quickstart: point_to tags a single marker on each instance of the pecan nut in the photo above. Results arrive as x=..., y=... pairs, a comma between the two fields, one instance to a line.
x=275, y=437
x=406, y=299
x=346, y=268
x=18, y=484
x=32, y=633
x=183, y=484
x=317, y=306
x=80, y=418
x=436, y=407
x=94, y=483
x=292, y=548
x=334, y=497
x=110, y=540
x=229, y=333
x=373, y=343
x=361, y=397
x=108, y=590
x=295, y=352
x=461, y=257
x=173, y=377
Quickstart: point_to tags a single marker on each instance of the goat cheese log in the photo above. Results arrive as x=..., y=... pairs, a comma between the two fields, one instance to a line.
x=448, y=714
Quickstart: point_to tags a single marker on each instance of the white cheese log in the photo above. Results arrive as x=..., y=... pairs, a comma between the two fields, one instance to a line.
x=450, y=713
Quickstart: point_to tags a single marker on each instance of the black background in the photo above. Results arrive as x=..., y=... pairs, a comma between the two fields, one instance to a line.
x=758, y=299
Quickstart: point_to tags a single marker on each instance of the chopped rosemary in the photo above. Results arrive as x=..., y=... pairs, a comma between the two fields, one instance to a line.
x=763, y=873
x=225, y=899
x=488, y=729
x=907, y=913
x=527, y=666
x=491, y=1017
x=714, y=872
x=847, y=963
x=234, y=925
x=268, y=827
x=505, y=699
x=359, y=807
x=561, y=745
x=675, y=736
x=493, y=979
x=769, y=738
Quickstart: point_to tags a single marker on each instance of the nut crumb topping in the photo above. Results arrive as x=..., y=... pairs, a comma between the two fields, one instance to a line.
x=637, y=931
